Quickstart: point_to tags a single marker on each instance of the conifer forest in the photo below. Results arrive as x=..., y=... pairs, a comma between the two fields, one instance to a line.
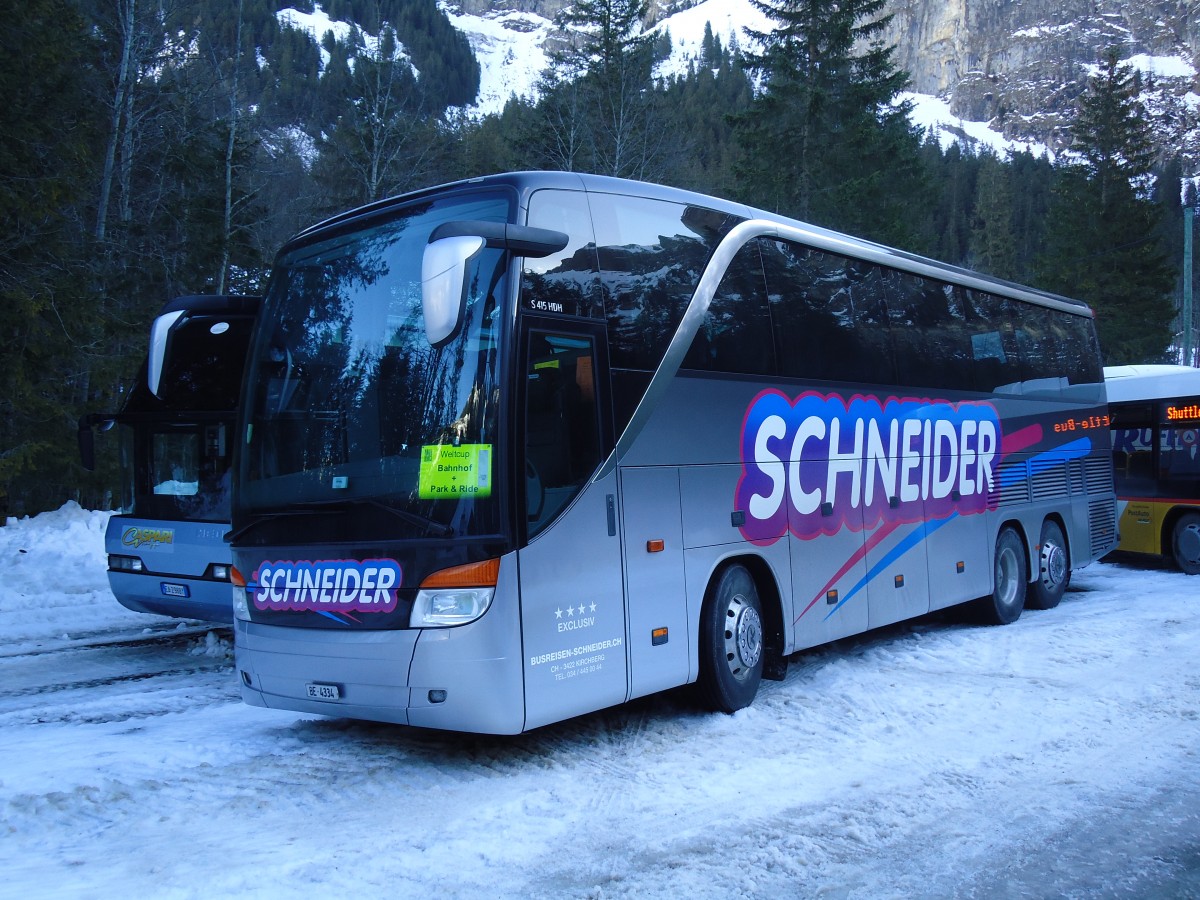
x=157, y=148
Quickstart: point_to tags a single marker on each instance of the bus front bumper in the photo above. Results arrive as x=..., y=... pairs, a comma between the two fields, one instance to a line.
x=454, y=678
x=189, y=598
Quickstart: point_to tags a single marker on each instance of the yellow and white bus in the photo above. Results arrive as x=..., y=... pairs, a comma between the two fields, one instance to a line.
x=1155, y=412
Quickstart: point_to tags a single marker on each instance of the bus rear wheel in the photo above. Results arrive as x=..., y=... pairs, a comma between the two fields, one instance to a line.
x=1054, y=569
x=731, y=642
x=1007, y=599
x=1185, y=543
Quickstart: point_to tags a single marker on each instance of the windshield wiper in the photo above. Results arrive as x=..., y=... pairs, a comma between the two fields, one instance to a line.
x=316, y=507
x=261, y=519
x=437, y=529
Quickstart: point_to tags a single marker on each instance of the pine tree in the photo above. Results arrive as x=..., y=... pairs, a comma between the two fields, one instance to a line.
x=825, y=139
x=600, y=108
x=993, y=247
x=49, y=319
x=382, y=145
x=1101, y=244
x=1030, y=178
x=700, y=107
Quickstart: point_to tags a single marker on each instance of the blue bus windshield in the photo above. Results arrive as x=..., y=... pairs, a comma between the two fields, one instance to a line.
x=350, y=408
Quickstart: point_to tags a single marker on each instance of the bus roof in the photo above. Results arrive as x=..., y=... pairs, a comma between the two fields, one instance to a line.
x=525, y=183
x=1125, y=383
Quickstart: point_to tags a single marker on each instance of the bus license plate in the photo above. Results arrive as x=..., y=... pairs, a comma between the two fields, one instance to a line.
x=323, y=691
x=174, y=590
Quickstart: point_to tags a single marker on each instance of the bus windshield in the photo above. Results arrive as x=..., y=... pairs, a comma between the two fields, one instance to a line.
x=353, y=420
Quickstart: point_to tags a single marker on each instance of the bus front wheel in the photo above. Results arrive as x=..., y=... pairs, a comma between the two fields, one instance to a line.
x=1054, y=569
x=1185, y=543
x=1004, y=605
x=731, y=642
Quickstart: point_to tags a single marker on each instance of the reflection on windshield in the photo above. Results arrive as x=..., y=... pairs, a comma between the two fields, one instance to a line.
x=349, y=402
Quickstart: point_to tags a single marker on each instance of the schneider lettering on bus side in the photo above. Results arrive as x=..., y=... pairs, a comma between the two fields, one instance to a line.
x=900, y=461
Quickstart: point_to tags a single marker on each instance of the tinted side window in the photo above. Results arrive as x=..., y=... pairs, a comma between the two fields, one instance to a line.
x=736, y=334
x=996, y=360
x=568, y=281
x=1055, y=344
x=1041, y=357
x=562, y=445
x=1133, y=446
x=651, y=256
x=1078, y=347
x=929, y=332
x=829, y=318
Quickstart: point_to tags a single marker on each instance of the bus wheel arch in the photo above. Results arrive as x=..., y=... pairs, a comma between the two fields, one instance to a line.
x=732, y=639
x=769, y=595
x=1051, y=566
x=1010, y=579
x=1181, y=540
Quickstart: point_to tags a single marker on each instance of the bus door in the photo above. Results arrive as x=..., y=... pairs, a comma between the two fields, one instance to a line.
x=1135, y=462
x=652, y=523
x=572, y=602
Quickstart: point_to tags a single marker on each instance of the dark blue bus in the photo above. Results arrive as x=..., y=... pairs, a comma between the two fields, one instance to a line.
x=166, y=547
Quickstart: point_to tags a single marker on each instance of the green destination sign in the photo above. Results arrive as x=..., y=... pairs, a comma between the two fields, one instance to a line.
x=448, y=471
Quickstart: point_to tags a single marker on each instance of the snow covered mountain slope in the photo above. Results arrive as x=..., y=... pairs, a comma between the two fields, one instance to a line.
x=991, y=73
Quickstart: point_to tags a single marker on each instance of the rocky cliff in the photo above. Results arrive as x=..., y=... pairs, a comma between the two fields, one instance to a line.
x=1020, y=64
x=1017, y=65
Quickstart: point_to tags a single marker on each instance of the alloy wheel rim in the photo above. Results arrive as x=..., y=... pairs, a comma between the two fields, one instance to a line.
x=743, y=637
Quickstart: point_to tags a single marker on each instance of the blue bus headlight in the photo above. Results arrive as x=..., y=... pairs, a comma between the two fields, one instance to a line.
x=452, y=606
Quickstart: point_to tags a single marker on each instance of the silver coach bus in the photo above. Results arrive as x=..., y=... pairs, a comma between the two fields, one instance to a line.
x=527, y=446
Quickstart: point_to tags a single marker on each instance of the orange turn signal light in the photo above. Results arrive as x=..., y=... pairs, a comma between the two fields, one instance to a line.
x=478, y=574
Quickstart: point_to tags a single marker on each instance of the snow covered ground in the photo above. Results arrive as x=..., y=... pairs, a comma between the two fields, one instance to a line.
x=1059, y=756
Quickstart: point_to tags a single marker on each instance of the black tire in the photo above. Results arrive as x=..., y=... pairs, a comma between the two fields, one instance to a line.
x=731, y=642
x=1054, y=569
x=1185, y=543
x=1003, y=606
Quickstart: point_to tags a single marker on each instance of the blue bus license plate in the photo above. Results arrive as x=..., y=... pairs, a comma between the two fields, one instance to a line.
x=175, y=590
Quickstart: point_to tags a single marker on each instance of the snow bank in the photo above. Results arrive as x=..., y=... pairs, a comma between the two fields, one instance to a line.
x=54, y=581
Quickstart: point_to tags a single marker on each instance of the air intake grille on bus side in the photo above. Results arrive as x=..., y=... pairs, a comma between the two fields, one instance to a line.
x=1050, y=483
x=1099, y=474
x=1011, y=485
x=1078, y=484
x=1102, y=525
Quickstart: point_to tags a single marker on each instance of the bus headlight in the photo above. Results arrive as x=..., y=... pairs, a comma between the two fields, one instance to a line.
x=444, y=608
x=125, y=563
x=241, y=605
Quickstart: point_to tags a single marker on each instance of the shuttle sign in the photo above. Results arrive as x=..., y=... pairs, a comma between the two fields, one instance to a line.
x=817, y=464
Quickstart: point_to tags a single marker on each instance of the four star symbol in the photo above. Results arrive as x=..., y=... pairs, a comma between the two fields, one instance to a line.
x=571, y=610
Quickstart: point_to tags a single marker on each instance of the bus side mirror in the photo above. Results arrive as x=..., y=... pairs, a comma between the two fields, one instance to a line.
x=87, y=438
x=444, y=266
x=444, y=284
